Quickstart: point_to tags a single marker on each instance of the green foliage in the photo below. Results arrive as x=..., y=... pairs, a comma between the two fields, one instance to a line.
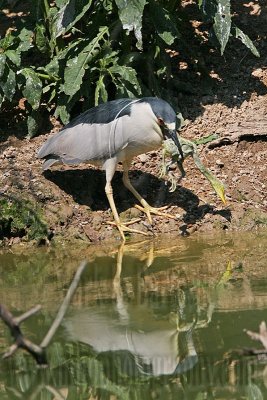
x=206, y=139
x=219, y=13
x=222, y=22
x=84, y=52
x=11, y=48
x=131, y=14
x=18, y=219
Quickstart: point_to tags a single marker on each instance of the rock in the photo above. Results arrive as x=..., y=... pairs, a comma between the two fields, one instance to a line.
x=131, y=213
x=65, y=213
x=92, y=235
x=143, y=158
x=220, y=163
x=97, y=221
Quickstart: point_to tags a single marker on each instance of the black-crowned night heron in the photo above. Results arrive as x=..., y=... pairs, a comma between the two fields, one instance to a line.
x=110, y=133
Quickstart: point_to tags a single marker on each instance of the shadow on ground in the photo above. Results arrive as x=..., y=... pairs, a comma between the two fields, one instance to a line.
x=87, y=188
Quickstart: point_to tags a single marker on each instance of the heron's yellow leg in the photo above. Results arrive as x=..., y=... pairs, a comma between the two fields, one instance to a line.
x=147, y=209
x=122, y=227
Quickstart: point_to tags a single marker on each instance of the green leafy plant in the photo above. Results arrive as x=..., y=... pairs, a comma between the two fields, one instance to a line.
x=78, y=53
x=219, y=13
x=19, y=219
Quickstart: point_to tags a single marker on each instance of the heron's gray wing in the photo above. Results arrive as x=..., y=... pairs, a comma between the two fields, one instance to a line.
x=85, y=142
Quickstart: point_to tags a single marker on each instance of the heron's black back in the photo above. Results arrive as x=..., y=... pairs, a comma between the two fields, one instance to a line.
x=103, y=113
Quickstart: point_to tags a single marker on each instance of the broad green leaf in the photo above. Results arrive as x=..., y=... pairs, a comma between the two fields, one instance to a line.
x=164, y=24
x=100, y=91
x=52, y=68
x=62, y=113
x=52, y=95
x=66, y=52
x=222, y=22
x=33, y=124
x=8, y=83
x=76, y=66
x=7, y=41
x=41, y=38
x=2, y=63
x=127, y=75
x=246, y=40
x=131, y=14
x=14, y=56
x=69, y=14
x=52, y=89
x=33, y=88
x=26, y=37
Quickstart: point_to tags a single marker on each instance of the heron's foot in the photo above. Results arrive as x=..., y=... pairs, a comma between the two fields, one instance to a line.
x=123, y=227
x=148, y=210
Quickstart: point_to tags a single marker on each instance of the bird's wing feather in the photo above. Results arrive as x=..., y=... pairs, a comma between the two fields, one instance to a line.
x=84, y=142
x=104, y=113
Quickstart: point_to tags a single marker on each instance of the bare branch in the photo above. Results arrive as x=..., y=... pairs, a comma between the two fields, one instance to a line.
x=64, y=305
x=28, y=314
x=38, y=352
x=20, y=342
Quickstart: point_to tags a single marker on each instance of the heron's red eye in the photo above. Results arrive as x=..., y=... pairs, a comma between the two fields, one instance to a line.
x=161, y=122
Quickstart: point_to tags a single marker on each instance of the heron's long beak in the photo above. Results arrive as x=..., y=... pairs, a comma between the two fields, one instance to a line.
x=174, y=137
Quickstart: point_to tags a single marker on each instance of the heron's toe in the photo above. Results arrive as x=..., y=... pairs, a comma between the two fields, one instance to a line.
x=148, y=210
x=124, y=228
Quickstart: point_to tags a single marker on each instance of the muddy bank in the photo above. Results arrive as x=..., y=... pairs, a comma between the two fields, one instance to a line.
x=70, y=203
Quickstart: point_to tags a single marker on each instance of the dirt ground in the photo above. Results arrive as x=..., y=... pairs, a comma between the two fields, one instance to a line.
x=230, y=101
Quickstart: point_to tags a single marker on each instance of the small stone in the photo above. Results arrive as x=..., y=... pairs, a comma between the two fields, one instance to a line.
x=219, y=163
x=91, y=234
x=143, y=158
x=15, y=240
x=131, y=213
x=65, y=213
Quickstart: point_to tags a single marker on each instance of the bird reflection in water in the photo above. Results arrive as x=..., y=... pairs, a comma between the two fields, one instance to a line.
x=150, y=334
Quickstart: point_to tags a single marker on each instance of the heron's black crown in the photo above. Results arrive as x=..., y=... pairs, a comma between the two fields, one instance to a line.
x=160, y=108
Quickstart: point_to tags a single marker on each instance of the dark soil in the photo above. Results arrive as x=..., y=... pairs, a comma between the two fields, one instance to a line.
x=230, y=101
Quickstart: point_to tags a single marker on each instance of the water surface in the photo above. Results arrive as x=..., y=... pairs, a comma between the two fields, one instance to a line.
x=149, y=320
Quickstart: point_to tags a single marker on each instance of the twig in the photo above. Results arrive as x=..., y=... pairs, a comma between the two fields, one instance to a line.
x=27, y=314
x=38, y=352
x=20, y=342
x=64, y=305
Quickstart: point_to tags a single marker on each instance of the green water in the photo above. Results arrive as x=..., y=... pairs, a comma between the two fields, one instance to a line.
x=150, y=320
